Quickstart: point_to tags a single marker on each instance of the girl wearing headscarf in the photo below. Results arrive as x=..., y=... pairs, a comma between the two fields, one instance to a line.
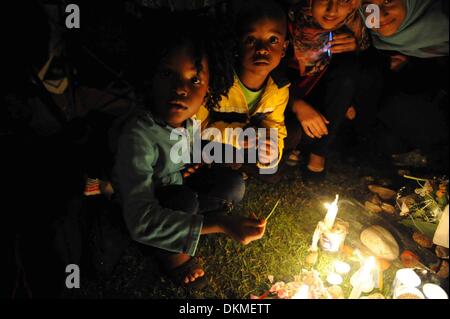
x=415, y=28
x=327, y=36
x=413, y=40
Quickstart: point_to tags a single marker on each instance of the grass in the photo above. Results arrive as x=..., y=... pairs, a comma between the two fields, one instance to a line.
x=237, y=271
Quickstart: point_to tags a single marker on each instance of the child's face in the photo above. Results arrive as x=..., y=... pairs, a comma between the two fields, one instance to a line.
x=262, y=46
x=392, y=15
x=332, y=13
x=178, y=89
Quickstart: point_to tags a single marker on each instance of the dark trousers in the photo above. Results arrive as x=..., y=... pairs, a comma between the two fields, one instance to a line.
x=208, y=190
x=333, y=96
x=414, y=111
x=350, y=80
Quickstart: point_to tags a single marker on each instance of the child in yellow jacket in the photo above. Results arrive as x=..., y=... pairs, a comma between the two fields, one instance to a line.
x=259, y=96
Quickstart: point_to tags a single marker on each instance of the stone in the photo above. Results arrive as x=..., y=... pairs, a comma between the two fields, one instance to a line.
x=443, y=271
x=376, y=200
x=441, y=252
x=388, y=209
x=409, y=259
x=384, y=193
x=380, y=242
x=335, y=279
x=422, y=240
x=370, y=207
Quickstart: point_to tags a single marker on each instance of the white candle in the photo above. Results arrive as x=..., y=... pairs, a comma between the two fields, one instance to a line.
x=331, y=213
x=364, y=279
x=335, y=279
x=341, y=267
x=433, y=291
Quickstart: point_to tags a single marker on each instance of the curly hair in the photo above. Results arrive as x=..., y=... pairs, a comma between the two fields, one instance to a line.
x=209, y=39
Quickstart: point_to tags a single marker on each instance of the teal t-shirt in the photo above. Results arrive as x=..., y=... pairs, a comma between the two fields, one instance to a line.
x=143, y=163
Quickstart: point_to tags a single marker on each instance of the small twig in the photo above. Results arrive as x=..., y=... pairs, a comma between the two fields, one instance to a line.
x=416, y=178
x=273, y=209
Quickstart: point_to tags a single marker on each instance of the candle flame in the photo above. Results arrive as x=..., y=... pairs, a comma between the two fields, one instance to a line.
x=331, y=213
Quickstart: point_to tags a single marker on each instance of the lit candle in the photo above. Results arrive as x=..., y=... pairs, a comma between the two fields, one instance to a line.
x=433, y=291
x=363, y=279
x=331, y=213
x=341, y=267
x=334, y=279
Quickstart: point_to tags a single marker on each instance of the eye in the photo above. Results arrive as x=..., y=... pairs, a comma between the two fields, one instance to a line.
x=196, y=80
x=250, y=41
x=274, y=40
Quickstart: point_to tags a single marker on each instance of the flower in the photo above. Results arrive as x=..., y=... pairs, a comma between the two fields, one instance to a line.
x=426, y=190
x=405, y=210
x=278, y=286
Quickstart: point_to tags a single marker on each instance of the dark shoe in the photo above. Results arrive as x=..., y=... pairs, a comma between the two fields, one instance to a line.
x=311, y=178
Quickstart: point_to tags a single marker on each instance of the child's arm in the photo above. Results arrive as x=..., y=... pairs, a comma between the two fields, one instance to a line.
x=314, y=124
x=276, y=120
x=241, y=229
x=148, y=222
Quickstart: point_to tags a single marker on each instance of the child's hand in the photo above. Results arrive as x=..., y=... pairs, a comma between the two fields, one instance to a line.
x=344, y=42
x=191, y=170
x=268, y=152
x=314, y=124
x=398, y=61
x=248, y=142
x=245, y=230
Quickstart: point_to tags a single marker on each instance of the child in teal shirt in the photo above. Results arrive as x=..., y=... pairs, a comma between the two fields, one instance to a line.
x=161, y=208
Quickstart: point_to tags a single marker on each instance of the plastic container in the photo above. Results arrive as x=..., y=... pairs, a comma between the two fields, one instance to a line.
x=441, y=234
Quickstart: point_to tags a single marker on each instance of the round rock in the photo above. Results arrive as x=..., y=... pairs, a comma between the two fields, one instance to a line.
x=380, y=242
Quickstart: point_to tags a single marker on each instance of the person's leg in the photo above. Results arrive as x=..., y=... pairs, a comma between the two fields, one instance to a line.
x=182, y=198
x=219, y=188
x=333, y=97
x=178, y=197
x=368, y=95
x=291, y=154
x=417, y=124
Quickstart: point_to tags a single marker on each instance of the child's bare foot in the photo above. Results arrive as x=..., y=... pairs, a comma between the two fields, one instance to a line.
x=183, y=268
